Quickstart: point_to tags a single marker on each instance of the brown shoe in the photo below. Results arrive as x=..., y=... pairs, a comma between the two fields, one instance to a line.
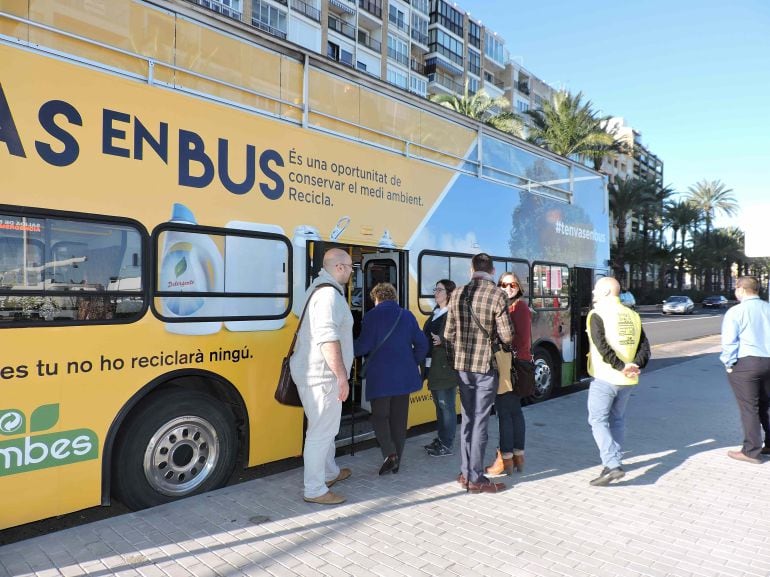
x=518, y=463
x=486, y=487
x=462, y=480
x=344, y=474
x=327, y=498
x=741, y=456
x=501, y=466
x=765, y=450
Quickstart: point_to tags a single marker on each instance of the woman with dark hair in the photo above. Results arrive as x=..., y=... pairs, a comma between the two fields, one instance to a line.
x=510, y=454
x=442, y=378
x=396, y=346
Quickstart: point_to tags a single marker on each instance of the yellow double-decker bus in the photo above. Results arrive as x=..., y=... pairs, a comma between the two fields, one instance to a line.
x=168, y=182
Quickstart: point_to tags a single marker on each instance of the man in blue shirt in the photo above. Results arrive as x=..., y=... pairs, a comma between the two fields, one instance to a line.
x=746, y=356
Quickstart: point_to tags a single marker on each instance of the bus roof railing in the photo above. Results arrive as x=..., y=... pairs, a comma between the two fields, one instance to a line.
x=406, y=147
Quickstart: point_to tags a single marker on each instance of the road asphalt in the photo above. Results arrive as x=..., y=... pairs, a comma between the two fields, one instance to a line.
x=683, y=509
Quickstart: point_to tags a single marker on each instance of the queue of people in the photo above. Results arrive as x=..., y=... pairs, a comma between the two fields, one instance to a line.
x=455, y=349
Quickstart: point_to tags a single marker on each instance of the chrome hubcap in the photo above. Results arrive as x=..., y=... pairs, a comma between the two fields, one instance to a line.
x=181, y=455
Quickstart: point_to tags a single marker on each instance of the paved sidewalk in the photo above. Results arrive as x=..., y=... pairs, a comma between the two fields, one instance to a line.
x=683, y=509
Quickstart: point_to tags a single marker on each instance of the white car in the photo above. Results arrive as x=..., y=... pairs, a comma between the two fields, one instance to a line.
x=678, y=305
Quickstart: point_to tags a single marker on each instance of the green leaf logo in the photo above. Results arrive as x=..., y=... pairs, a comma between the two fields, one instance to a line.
x=12, y=422
x=44, y=417
x=180, y=267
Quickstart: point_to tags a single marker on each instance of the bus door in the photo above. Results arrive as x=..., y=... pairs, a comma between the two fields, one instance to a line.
x=382, y=267
x=376, y=268
x=581, y=298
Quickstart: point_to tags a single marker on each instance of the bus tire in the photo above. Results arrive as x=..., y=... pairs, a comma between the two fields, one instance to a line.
x=545, y=375
x=177, y=443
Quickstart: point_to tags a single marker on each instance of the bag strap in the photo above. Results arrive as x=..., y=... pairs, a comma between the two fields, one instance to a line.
x=467, y=300
x=304, y=310
x=390, y=332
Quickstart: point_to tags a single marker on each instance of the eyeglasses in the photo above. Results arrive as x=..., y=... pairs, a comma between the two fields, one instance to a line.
x=509, y=285
x=438, y=290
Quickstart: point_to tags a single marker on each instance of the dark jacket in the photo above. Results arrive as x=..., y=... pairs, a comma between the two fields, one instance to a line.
x=441, y=375
x=394, y=367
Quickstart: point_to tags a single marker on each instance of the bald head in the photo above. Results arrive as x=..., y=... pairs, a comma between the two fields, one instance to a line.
x=333, y=257
x=606, y=287
x=338, y=264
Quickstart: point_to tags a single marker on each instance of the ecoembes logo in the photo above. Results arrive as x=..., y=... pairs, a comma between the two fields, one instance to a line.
x=42, y=451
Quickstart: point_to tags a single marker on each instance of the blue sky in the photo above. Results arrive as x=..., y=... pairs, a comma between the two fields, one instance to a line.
x=692, y=75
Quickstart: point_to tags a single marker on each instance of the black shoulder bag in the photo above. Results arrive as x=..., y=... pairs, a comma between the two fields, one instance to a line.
x=286, y=392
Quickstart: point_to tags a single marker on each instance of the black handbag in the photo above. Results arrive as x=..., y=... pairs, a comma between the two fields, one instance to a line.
x=524, y=378
x=286, y=392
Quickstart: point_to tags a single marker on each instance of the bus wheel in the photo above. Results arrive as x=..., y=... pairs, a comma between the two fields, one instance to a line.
x=544, y=375
x=176, y=444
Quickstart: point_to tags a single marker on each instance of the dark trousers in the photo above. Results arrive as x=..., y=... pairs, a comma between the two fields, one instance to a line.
x=477, y=395
x=750, y=380
x=389, y=419
x=511, y=422
x=764, y=415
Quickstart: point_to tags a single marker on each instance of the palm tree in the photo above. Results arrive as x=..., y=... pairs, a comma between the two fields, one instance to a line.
x=571, y=128
x=653, y=199
x=480, y=106
x=712, y=197
x=681, y=216
x=626, y=195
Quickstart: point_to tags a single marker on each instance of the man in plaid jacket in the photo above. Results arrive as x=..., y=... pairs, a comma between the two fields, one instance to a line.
x=470, y=351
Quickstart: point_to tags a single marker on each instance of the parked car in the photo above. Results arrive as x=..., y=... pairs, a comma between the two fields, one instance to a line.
x=627, y=298
x=716, y=302
x=678, y=305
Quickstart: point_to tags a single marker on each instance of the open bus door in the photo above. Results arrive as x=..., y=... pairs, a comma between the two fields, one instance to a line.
x=377, y=268
x=582, y=297
x=369, y=268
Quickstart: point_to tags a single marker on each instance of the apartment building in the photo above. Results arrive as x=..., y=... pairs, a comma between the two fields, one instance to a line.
x=637, y=162
x=423, y=46
x=524, y=90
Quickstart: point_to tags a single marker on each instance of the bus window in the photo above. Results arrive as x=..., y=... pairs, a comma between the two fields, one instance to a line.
x=434, y=266
x=242, y=276
x=550, y=286
x=54, y=269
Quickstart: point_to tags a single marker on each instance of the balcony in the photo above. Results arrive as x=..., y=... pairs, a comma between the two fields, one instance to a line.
x=267, y=28
x=494, y=88
x=417, y=66
x=399, y=57
x=523, y=87
x=341, y=27
x=374, y=8
x=220, y=8
x=419, y=37
x=447, y=83
x=399, y=25
x=369, y=42
x=343, y=6
x=306, y=9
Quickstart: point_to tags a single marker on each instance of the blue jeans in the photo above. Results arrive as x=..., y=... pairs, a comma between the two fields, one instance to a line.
x=446, y=415
x=511, y=422
x=606, y=415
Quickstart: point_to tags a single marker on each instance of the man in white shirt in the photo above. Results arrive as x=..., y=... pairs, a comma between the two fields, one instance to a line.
x=320, y=366
x=746, y=357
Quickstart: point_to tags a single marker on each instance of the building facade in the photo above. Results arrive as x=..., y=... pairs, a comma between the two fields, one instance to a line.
x=423, y=46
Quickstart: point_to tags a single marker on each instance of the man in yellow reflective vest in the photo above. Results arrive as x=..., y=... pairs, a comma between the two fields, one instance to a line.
x=618, y=350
